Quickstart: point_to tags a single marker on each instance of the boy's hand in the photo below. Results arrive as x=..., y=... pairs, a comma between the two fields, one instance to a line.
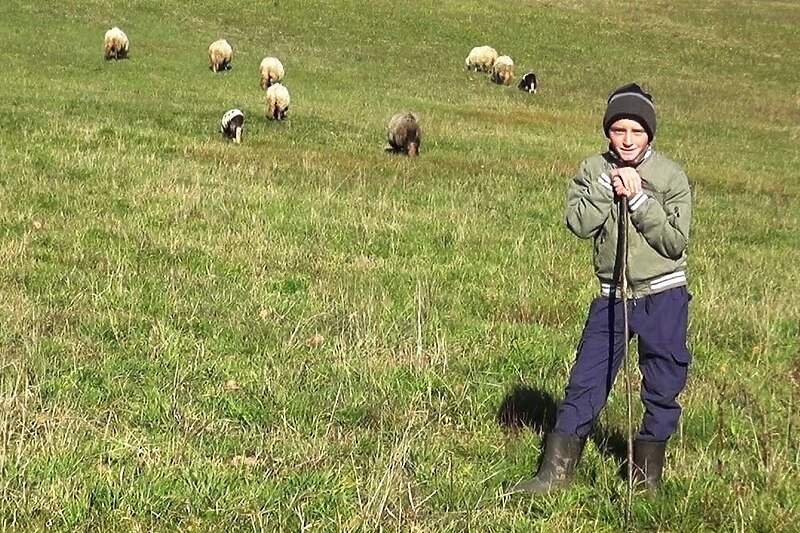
x=626, y=182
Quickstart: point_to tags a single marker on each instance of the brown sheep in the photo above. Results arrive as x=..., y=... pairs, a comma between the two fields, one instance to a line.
x=404, y=134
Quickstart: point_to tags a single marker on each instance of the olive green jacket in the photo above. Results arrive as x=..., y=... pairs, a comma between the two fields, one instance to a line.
x=660, y=217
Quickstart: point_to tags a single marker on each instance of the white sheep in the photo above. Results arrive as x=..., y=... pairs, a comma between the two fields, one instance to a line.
x=404, y=134
x=220, y=54
x=277, y=101
x=503, y=70
x=232, y=125
x=116, y=44
x=481, y=58
x=271, y=70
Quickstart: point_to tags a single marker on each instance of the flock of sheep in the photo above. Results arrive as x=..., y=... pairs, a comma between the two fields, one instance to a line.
x=404, y=134
x=501, y=68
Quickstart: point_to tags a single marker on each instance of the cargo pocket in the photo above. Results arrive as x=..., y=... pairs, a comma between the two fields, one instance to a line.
x=682, y=356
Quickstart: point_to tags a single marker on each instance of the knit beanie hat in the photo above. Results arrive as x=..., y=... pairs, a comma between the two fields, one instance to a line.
x=630, y=101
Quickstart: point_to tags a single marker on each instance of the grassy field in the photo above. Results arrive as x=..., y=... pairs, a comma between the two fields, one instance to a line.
x=304, y=333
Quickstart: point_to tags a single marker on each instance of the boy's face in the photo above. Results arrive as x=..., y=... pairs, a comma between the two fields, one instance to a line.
x=628, y=139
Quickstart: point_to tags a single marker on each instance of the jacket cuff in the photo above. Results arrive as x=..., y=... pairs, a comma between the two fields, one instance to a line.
x=637, y=201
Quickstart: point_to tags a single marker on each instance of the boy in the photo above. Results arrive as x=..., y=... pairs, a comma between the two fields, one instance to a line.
x=659, y=205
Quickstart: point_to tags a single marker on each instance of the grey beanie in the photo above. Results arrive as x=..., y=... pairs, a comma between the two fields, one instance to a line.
x=630, y=101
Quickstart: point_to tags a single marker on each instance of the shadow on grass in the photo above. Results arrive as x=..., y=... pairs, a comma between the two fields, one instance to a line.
x=526, y=407
x=612, y=444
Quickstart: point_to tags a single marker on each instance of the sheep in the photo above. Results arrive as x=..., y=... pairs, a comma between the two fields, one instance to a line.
x=116, y=44
x=271, y=70
x=503, y=70
x=220, y=54
x=232, y=125
x=481, y=58
x=404, y=134
x=277, y=102
x=528, y=83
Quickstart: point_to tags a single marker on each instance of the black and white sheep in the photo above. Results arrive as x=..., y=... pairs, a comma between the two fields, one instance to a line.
x=271, y=70
x=528, y=83
x=481, y=58
x=220, y=54
x=404, y=134
x=116, y=44
x=503, y=70
x=232, y=125
x=277, y=101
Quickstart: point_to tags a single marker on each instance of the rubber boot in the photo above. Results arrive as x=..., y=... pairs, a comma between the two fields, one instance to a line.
x=561, y=455
x=648, y=463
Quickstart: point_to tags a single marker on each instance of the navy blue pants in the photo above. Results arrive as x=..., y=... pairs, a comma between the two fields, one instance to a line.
x=660, y=321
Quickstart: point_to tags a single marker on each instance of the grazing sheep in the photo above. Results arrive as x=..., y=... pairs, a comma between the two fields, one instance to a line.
x=232, y=125
x=220, y=54
x=116, y=44
x=271, y=70
x=503, y=70
x=277, y=102
x=528, y=83
x=481, y=58
x=404, y=134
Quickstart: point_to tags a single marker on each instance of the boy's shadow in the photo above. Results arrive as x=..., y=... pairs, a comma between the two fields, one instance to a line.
x=525, y=407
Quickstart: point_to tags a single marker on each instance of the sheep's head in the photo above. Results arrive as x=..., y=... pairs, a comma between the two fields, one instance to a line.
x=413, y=149
x=238, y=137
x=279, y=112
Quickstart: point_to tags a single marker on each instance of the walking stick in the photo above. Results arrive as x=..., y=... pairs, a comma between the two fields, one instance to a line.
x=623, y=284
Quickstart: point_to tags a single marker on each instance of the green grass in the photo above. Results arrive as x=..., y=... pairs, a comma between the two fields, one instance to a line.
x=303, y=332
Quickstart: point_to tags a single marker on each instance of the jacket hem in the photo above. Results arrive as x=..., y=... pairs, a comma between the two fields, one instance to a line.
x=652, y=286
